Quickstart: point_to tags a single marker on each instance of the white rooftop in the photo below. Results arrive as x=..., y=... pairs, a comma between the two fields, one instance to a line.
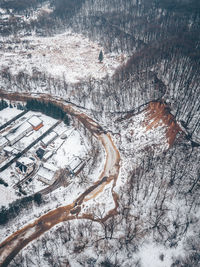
x=25, y=161
x=20, y=130
x=50, y=167
x=50, y=137
x=74, y=163
x=45, y=173
x=47, y=155
x=8, y=149
x=35, y=121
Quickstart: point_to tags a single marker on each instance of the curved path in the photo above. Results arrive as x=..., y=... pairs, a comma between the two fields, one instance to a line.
x=18, y=240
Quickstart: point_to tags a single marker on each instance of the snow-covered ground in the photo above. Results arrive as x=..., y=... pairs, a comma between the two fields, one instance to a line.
x=134, y=140
x=8, y=113
x=69, y=55
x=153, y=255
x=7, y=195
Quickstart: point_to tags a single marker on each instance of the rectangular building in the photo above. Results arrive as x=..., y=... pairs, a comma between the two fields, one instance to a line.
x=36, y=122
x=18, y=132
x=49, y=138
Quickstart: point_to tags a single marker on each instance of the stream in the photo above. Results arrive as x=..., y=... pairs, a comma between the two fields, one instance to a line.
x=18, y=240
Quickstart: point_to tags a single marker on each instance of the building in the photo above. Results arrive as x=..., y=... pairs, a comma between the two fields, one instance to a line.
x=47, y=173
x=36, y=122
x=18, y=132
x=3, y=142
x=74, y=165
x=47, y=155
x=25, y=165
x=40, y=153
x=49, y=138
x=8, y=150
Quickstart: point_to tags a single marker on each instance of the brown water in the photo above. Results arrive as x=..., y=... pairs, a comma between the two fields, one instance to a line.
x=18, y=240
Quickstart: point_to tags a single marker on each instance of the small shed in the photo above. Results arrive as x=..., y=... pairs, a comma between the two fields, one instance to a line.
x=47, y=155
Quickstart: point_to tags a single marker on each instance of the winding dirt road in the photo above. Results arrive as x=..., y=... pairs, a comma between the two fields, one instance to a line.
x=18, y=240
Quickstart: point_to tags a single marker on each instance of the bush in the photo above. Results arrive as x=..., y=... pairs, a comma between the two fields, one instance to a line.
x=3, y=182
x=38, y=198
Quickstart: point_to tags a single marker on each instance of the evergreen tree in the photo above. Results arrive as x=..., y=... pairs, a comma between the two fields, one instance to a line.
x=38, y=198
x=100, y=56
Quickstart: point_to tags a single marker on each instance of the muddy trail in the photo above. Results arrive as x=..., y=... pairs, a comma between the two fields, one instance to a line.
x=18, y=240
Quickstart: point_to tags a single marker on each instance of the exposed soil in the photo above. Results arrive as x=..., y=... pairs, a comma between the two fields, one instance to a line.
x=159, y=113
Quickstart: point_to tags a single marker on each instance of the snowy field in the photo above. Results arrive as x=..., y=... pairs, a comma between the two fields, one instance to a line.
x=8, y=113
x=67, y=55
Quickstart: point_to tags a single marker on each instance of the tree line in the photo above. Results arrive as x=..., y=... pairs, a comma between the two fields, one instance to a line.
x=16, y=207
x=49, y=109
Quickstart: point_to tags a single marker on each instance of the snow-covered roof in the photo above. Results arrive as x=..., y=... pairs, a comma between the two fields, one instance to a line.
x=8, y=149
x=35, y=121
x=3, y=141
x=25, y=161
x=49, y=138
x=60, y=129
x=74, y=163
x=47, y=155
x=50, y=167
x=24, y=127
x=45, y=173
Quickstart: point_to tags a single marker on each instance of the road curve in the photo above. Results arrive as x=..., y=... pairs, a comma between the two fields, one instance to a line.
x=18, y=240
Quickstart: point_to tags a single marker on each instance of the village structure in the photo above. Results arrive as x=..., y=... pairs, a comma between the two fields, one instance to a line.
x=30, y=144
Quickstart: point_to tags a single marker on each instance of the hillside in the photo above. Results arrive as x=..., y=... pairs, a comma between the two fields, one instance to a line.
x=135, y=122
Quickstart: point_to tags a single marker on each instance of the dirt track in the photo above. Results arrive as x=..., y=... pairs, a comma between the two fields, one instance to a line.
x=18, y=240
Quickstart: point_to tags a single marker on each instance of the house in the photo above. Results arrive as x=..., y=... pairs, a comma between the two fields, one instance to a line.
x=46, y=173
x=25, y=165
x=49, y=138
x=18, y=132
x=36, y=122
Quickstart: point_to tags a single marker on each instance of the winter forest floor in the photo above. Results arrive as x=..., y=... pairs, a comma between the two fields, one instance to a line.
x=70, y=56
x=155, y=121
x=135, y=124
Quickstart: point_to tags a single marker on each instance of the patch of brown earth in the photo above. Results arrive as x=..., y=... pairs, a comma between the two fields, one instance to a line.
x=158, y=113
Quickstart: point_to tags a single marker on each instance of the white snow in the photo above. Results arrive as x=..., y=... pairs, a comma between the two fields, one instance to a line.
x=8, y=113
x=150, y=255
x=7, y=195
x=67, y=55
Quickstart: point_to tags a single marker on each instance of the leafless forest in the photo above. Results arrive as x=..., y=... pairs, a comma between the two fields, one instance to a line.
x=159, y=45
